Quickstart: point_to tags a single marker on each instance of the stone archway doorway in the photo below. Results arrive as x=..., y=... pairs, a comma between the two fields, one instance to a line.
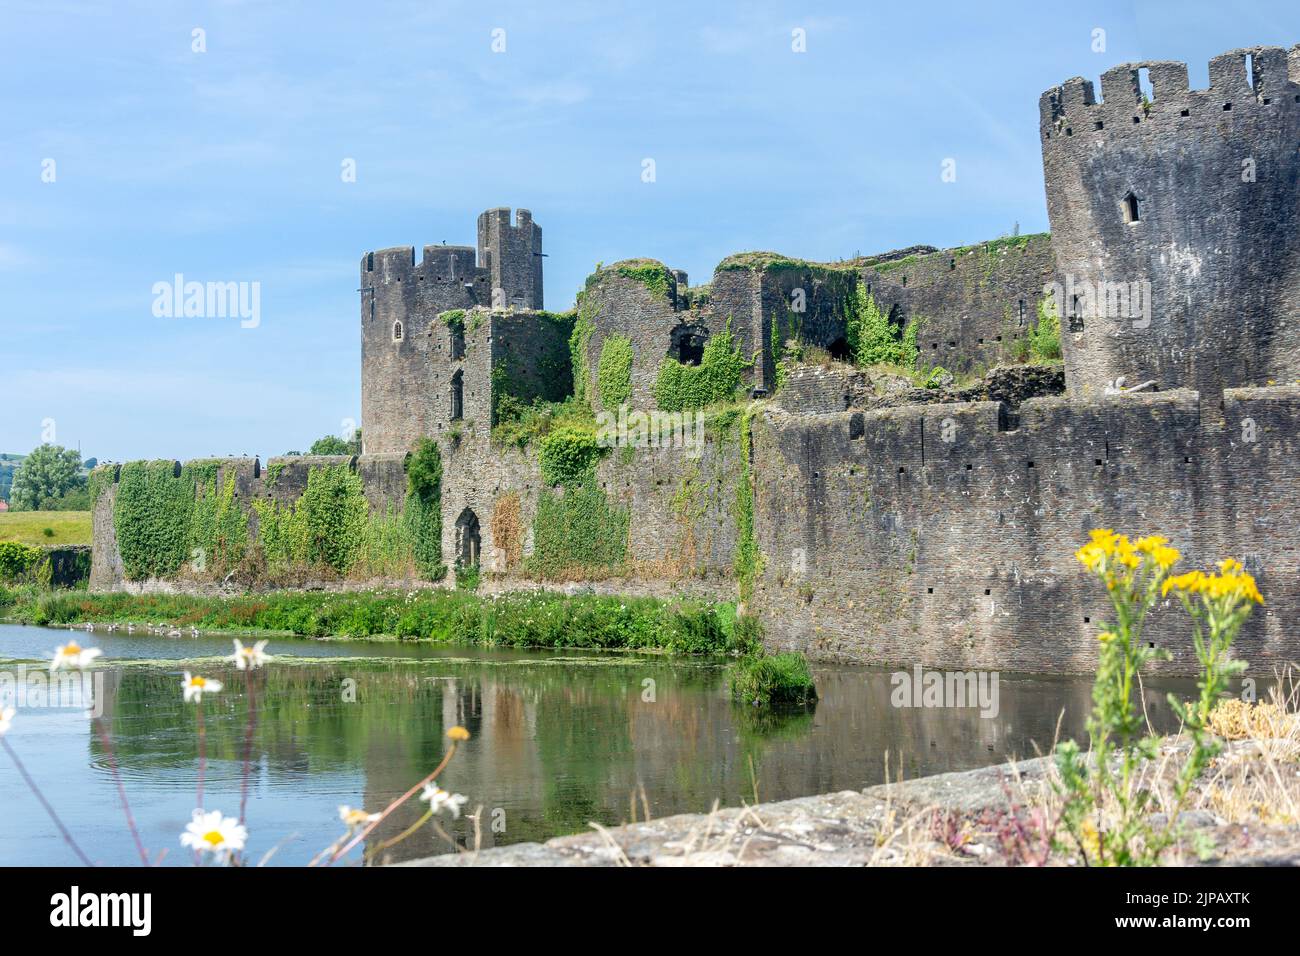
x=467, y=539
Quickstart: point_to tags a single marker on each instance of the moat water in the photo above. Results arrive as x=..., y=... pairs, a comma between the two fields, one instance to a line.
x=560, y=739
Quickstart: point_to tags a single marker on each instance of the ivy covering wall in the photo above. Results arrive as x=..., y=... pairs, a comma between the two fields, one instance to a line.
x=193, y=523
x=577, y=533
x=614, y=373
x=680, y=387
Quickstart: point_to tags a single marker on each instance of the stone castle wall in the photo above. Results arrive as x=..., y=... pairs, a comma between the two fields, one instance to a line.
x=1212, y=178
x=941, y=532
x=934, y=534
x=973, y=304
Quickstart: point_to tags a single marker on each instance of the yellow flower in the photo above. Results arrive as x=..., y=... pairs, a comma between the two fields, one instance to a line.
x=1231, y=583
x=458, y=733
x=1105, y=637
x=1090, y=838
x=1191, y=582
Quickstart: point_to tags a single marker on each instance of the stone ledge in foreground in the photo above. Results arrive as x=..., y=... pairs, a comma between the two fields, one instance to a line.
x=885, y=825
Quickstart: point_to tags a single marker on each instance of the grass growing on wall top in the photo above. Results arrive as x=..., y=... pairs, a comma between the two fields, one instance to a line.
x=651, y=273
x=521, y=425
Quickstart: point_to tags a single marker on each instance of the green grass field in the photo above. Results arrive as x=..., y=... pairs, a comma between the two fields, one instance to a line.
x=69, y=527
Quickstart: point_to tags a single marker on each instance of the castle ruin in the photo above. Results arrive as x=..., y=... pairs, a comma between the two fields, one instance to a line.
x=863, y=518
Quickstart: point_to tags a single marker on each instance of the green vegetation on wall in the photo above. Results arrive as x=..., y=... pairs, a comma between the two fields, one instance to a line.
x=18, y=560
x=748, y=561
x=651, y=273
x=680, y=387
x=1045, y=337
x=333, y=511
x=578, y=533
x=218, y=525
x=872, y=338
x=614, y=373
x=99, y=480
x=583, y=327
x=152, y=518
x=569, y=456
x=424, y=507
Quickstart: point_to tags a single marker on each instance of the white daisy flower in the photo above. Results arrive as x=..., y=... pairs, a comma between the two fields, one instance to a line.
x=356, y=819
x=213, y=833
x=250, y=657
x=439, y=799
x=6, y=718
x=73, y=654
x=195, y=687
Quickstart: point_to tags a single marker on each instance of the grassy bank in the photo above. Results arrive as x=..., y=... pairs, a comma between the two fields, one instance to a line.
x=526, y=619
x=761, y=680
x=30, y=527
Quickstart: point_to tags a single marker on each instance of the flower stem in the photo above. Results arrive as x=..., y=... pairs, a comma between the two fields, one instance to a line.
x=121, y=790
x=401, y=836
x=67, y=837
x=203, y=754
x=248, y=741
x=393, y=806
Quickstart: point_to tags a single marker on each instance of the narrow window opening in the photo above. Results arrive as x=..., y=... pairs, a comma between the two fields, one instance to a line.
x=457, y=396
x=1132, y=213
x=397, y=331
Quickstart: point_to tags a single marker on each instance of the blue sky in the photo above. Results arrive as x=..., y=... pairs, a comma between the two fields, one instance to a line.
x=226, y=166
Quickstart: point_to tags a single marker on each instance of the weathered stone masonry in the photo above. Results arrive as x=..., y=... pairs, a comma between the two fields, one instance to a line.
x=939, y=533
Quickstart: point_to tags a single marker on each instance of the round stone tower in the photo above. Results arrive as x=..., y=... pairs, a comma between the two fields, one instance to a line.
x=1174, y=224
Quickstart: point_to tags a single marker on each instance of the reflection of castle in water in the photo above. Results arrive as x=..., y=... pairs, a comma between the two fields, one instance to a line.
x=550, y=753
x=557, y=743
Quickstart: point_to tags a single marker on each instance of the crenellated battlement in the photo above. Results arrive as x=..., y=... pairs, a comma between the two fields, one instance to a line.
x=1187, y=202
x=1263, y=81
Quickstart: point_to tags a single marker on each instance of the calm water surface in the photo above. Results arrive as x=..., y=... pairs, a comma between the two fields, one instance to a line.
x=559, y=739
